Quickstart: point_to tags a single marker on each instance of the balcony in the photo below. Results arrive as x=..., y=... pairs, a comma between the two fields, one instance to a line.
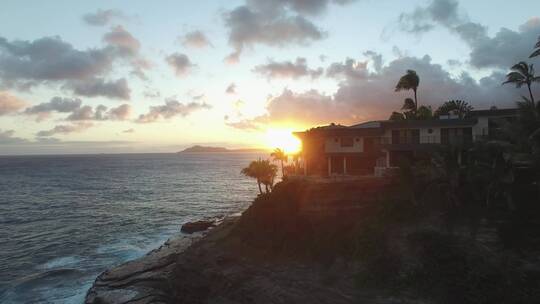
x=426, y=140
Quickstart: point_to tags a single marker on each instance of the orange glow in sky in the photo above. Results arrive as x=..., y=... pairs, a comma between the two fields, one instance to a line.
x=283, y=139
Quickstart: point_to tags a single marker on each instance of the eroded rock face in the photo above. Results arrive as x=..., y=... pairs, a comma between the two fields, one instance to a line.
x=145, y=280
x=197, y=226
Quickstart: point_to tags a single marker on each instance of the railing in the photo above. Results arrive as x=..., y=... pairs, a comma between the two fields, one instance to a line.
x=431, y=139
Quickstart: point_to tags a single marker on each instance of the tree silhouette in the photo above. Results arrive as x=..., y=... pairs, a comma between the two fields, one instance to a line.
x=459, y=107
x=263, y=171
x=280, y=156
x=521, y=74
x=537, y=51
x=409, y=81
x=396, y=116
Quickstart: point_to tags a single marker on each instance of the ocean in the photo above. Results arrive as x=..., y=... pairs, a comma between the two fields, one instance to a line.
x=65, y=219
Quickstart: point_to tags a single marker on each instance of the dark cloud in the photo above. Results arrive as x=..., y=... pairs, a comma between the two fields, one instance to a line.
x=231, y=89
x=7, y=137
x=77, y=111
x=100, y=113
x=27, y=63
x=170, y=109
x=117, y=89
x=65, y=129
x=274, y=23
x=50, y=61
x=56, y=104
x=180, y=63
x=9, y=103
x=500, y=51
x=196, y=39
x=506, y=48
x=287, y=69
x=372, y=95
x=102, y=17
x=250, y=25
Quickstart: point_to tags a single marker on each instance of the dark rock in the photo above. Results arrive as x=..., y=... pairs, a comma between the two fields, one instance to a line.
x=197, y=226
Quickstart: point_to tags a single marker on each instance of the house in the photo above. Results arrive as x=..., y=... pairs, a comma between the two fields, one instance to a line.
x=372, y=147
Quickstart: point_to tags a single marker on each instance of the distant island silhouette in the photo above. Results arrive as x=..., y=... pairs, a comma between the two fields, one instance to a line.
x=205, y=149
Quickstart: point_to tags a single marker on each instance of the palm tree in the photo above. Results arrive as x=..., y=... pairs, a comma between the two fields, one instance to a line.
x=253, y=171
x=409, y=81
x=424, y=113
x=537, y=51
x=459, y=107
x=279, y=155
x=397, y=116
x=263, y=171
x=521, y=74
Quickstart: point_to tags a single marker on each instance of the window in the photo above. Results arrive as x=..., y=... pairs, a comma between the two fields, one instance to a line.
x=347, y=142
x=430, y=131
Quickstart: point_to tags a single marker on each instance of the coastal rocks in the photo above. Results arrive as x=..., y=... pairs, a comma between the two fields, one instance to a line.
x=145, y=280
x=191, y=227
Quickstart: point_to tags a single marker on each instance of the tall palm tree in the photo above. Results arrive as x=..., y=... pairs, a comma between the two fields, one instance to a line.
x=521, y=74
x=279, y=155
x=460, y=107
x=409, y=81
x=253, y=171
x=537, y=51
x=263, y=171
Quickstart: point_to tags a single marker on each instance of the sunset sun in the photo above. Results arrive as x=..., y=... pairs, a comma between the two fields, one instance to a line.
x=283, y=139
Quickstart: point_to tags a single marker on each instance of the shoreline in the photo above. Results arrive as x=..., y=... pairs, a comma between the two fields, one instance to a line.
x=134, y=280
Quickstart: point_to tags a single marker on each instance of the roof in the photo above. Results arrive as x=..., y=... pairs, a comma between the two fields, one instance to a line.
x=377, y=127
x=494, y=113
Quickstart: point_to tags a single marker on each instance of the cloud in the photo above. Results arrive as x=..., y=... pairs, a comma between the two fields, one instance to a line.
x=122, y=40
x=349, y=69
x=372, y=96
x=246, y=125
x=7, y=138
x=249, y=26
x=506, y=48
x=50, y=61
x=500, y=51
x=231, y=89
x=117, y=89
x=180, y=63
x=287, y=69
x=100, y=113
x=65, y=129
x=102, y=17
x=121, y=112
x=303, y=7
x=196, y=39
x=27, y=63
x=9, y=103
x=170, y=109
x=56, y=104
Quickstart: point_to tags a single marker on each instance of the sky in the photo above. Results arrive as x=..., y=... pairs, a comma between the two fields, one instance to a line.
x=158, y=76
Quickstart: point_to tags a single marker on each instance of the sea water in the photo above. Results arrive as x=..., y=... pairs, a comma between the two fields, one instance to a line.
x=65, y=219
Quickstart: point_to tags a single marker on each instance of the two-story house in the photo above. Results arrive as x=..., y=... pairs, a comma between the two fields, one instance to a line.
x=371, y=147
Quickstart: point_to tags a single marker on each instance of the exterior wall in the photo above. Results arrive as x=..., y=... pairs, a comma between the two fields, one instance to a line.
x=481, y=128
x=430, y=138
x=333, y=145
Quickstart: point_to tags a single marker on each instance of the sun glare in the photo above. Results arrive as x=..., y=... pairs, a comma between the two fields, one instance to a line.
x=283, y=139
